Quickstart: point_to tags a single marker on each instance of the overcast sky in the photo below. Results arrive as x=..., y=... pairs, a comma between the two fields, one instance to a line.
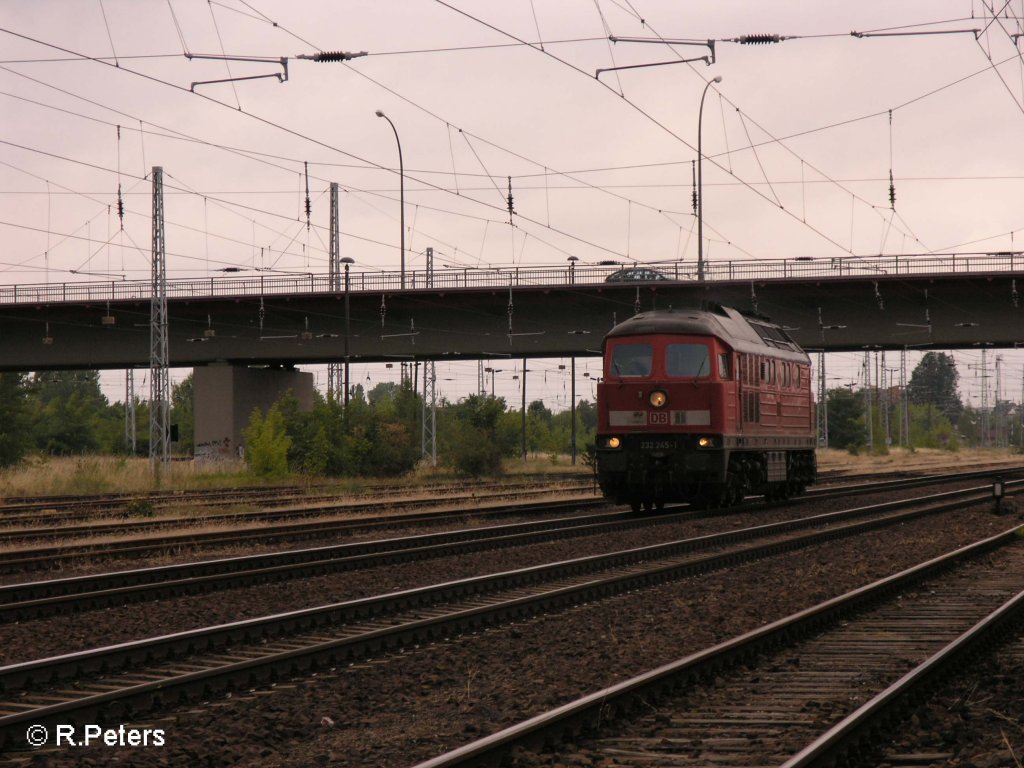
x=800, y=136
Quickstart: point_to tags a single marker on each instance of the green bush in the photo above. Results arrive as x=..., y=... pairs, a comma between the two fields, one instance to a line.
x=140, y=508
x=267, y=444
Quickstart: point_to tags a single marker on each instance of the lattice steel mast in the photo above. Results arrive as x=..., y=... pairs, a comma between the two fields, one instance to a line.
x=159, y=375
x=129, y=411
x=334, y=378
x=429, y=437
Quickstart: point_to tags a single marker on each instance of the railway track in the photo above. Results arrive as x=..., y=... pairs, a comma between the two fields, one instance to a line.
x=23, y=558
x=276, y=514
x=162, y=671
x=812, y=689
x=19, y=558
x=43, y=517
x=30, y=600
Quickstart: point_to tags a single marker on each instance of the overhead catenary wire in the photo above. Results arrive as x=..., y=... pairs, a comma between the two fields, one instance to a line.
x=629, y=204
x=650, y=117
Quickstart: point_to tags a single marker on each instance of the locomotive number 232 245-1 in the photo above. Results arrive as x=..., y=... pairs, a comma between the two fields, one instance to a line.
x=657, y=445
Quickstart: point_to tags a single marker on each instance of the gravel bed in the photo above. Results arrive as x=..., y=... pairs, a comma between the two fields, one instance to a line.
x=54, y=635
x=976, y=721
x=405, y=708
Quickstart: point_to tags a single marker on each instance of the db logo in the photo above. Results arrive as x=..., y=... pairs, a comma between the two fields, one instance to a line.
x=659, y=417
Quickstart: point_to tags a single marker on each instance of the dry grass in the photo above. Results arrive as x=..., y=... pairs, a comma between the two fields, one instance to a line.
x=43, y=476
x=921, y=459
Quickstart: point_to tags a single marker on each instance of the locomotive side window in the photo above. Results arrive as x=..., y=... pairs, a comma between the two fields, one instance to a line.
x=687, y=360
x=724, y=366
x=631, y=360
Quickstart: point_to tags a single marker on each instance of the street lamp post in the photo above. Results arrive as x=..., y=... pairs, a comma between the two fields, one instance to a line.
x=347, y=261
x=401, y=191
x=700, y=183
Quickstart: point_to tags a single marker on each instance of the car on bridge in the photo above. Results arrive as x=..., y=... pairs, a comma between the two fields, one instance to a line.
x=635, y=275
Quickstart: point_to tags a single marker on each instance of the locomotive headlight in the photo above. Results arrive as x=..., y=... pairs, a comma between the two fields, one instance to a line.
x=705, y=442
x=658, y=398
x=613, y=442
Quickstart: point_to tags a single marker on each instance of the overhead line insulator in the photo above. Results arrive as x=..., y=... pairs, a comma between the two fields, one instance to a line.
x=759, y=39
x=335, y=55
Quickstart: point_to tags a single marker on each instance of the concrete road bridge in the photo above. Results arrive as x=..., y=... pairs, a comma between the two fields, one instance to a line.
x=228, y=326
x=841, y=304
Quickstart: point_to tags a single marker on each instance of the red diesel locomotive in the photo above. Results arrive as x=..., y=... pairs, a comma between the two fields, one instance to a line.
x=705, y=406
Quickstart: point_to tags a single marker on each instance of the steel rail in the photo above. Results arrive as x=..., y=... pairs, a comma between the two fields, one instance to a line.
x=321, y=508
x=587, y=712
x=30, y=600
x=282, y=510
x=641, y=567
x=833, y=492
x=47, y=557
x=861, y=727
x=26, y=558
x=15, y=509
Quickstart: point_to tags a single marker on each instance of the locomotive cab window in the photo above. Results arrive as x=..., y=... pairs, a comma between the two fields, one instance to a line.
x=631, y=360
x=687, y=360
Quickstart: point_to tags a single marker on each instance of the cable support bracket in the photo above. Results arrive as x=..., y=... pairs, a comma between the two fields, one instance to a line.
x=411, y=334
x=708, y=59
x=282, y=77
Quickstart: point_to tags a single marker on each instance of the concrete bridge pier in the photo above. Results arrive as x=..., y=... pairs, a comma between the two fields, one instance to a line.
x=225, y=396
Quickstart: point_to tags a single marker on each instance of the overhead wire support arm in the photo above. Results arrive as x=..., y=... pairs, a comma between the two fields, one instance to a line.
x=709, y=59
x=281, y=76
x=706, y=59
x=974, y=32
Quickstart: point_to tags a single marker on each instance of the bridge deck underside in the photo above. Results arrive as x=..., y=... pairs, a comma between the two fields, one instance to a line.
x=941, y=312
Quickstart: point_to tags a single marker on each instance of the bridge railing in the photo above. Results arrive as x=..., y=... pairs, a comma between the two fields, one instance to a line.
x=504, y=277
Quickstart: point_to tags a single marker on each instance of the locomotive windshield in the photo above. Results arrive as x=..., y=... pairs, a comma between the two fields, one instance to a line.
x=687, y=360
x=632, y=359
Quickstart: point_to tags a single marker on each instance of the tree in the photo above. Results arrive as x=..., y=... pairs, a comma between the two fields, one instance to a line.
x=70, y=414
x=182, y=412
x=845, y=418
x=384, y=393
x=934, y=383
x=14, y=421
x=538, y=426
x=360, y=439
x=931, y=429
x=469, y=435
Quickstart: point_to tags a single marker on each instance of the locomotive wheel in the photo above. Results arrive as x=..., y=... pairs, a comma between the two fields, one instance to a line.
x=648, y=505
x=634, y=506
